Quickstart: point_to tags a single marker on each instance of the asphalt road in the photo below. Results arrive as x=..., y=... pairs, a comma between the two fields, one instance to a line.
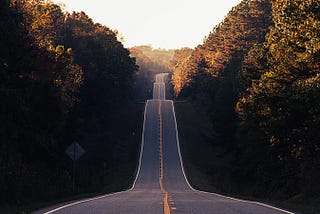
x=161, y=185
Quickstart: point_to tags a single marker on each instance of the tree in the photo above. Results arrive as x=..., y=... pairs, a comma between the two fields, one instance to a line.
x=283, y=102
x=179, y=66
x=211, y=74
x=52, y=65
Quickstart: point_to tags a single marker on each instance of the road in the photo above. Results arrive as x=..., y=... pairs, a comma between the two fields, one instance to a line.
x=161, y=185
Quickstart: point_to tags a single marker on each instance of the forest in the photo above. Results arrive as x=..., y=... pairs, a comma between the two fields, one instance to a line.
x=257, y=78
x=151, y=62
x=63, y=79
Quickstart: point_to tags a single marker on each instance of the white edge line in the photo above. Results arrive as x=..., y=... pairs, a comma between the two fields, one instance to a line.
x=227, y=197
x=162, y=86
x=153, y=92
x=160, y=83
x=142, y=145
x=156, y=85
x=80, y=202
x=135, y=180
x=108, y=195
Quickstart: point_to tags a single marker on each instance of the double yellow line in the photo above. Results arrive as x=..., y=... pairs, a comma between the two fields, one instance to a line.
x=166, y=207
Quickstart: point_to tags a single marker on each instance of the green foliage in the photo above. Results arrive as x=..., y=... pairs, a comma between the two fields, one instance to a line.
x=284, y=100
x=31, y=112
x=257, y=77
x=62, y=78
x=209, y=75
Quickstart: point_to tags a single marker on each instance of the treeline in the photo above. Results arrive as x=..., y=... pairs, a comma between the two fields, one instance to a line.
x=150, y=61
x=257, y=77
x=63, y=78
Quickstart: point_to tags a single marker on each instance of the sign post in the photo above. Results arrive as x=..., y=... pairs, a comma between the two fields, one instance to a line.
x=74, y=151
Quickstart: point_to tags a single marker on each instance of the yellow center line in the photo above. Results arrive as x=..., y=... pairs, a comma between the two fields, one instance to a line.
x=166, y=206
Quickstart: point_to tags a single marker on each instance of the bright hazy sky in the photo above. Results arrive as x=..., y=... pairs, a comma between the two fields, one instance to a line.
x=162, y=23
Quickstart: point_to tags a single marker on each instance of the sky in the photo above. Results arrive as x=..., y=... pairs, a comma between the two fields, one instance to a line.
x=169, y=24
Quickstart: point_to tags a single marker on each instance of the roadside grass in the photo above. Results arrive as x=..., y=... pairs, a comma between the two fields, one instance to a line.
x=29, y=208
x=119, y=177
x=207, y=164
x=197, y=152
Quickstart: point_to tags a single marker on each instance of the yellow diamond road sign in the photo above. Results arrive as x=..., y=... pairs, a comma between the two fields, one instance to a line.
x=75, y=151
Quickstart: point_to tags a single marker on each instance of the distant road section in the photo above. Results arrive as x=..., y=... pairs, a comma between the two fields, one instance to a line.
x=161, y=185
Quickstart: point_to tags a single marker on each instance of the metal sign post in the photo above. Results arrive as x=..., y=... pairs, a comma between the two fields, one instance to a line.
x=74, y=151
